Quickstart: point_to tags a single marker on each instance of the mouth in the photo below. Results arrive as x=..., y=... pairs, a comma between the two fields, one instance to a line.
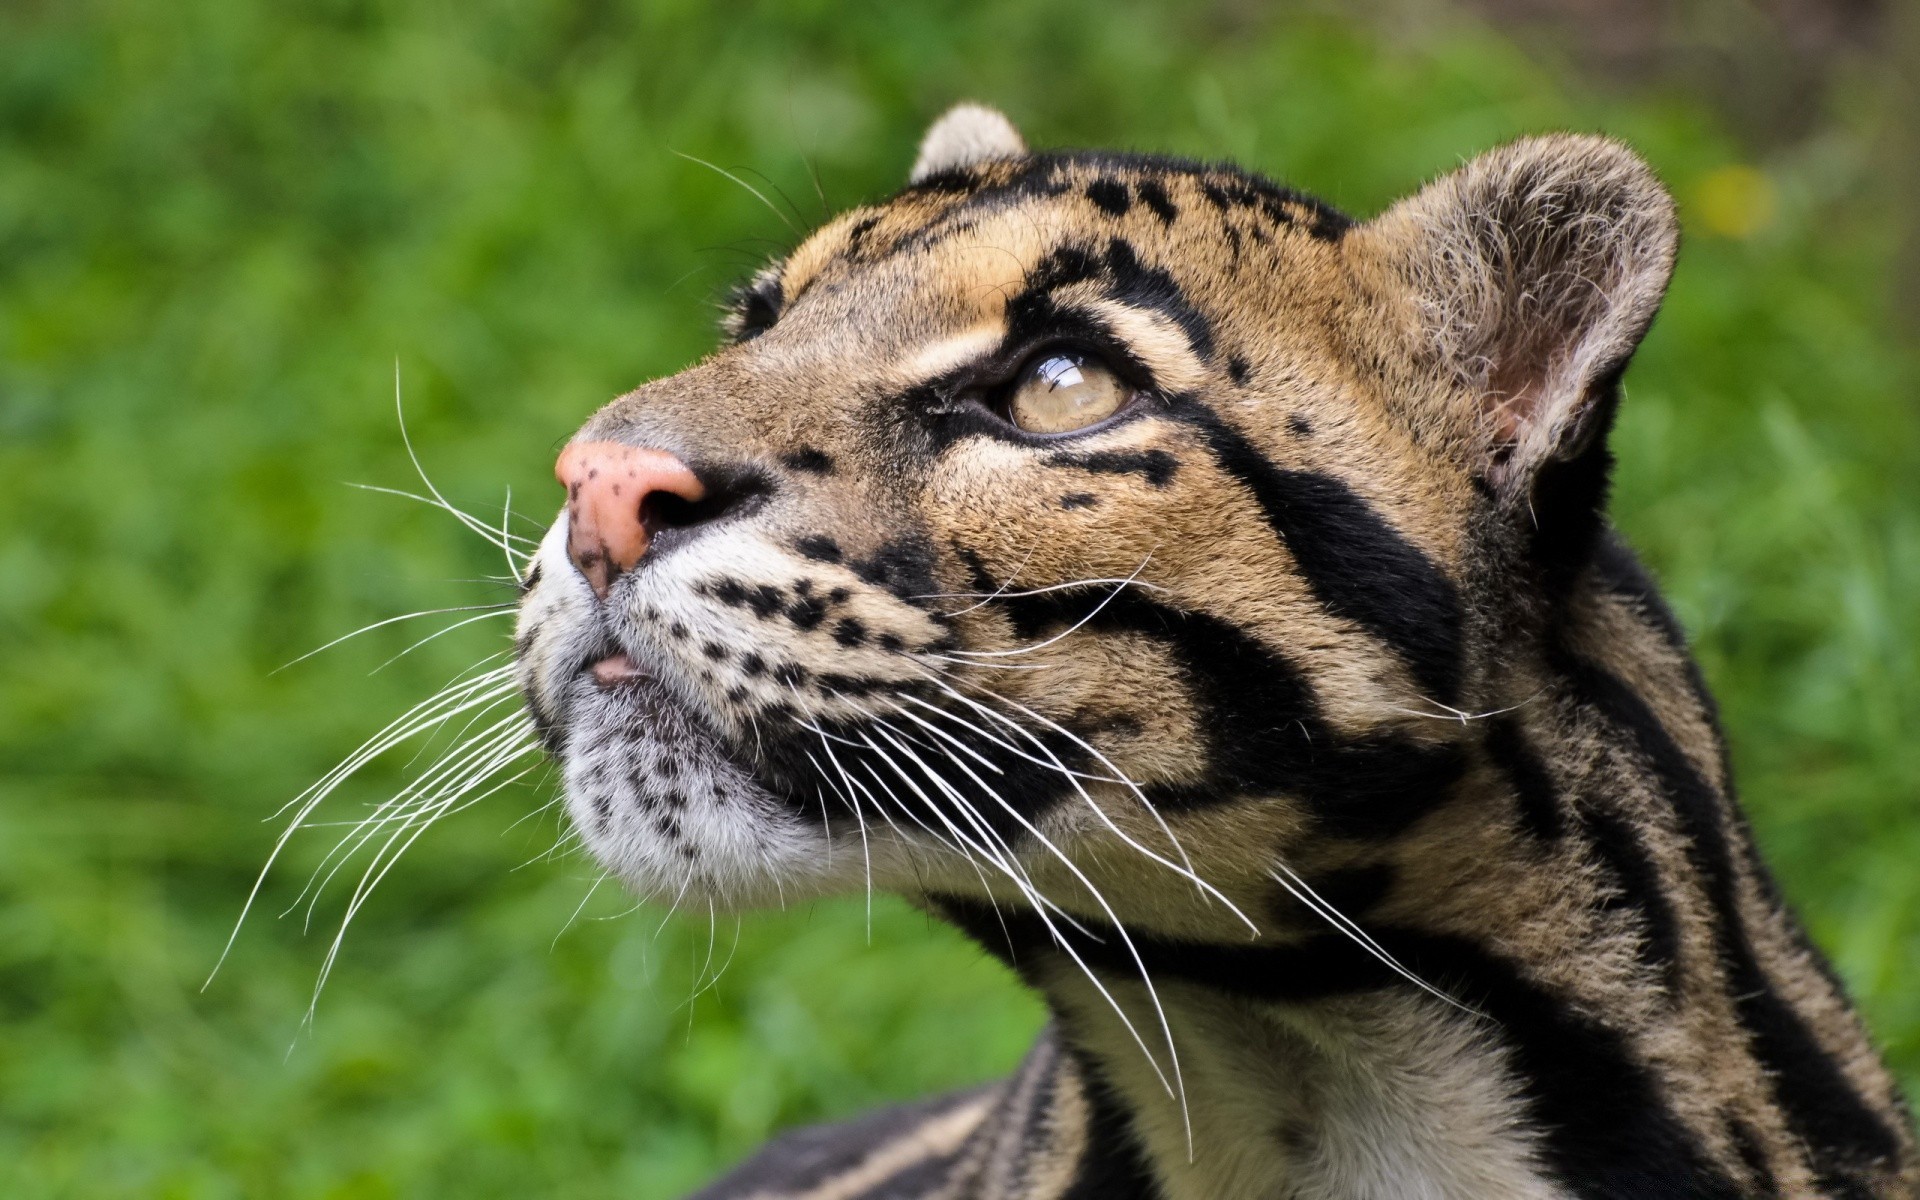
x=659, y=795
x=617, y=670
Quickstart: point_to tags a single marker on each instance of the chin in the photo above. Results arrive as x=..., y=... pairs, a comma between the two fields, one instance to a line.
x=663, y=804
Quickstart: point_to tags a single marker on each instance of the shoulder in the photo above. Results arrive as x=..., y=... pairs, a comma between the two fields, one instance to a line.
x=903, y=1146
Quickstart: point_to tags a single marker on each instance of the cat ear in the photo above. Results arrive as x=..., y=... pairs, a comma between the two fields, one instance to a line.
x=1535, y=270
x=967, y=134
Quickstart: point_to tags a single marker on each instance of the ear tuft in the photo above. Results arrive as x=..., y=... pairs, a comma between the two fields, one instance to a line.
x=1537, y=268
x=965, y=135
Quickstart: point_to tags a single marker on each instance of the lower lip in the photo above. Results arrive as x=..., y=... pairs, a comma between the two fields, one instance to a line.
x=615, y=670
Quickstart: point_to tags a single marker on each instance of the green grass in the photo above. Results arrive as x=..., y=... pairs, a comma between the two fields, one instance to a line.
x=221, y=225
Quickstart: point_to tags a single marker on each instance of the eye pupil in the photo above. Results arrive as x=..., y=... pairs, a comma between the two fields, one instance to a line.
x=1062, y=392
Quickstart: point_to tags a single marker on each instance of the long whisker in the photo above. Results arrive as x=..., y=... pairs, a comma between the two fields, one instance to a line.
x=1340, y=921
x=428, y=714
x=491, y=609
x=1175, y=1086
x=1069, y=630
x=757, y=193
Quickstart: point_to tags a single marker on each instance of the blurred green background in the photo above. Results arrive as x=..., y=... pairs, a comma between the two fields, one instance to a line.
x=221, y=225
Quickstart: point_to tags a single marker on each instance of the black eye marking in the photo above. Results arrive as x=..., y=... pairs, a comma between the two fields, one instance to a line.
x=1075, y=500
x=1110, y=195
x=1299, y=426
x=1157, y=466
x=819, y=549
x=1155, y=197
x=1238, y=370
x=810, y=460
x=755, y=307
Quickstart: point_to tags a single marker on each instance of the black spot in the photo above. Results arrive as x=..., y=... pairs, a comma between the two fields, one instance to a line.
x=765, y=600
x=1357, y=564
x=954, y=180
x=729, y=592
x=1237, y=370
x=531, y=581
x=1110, y=195
x=813, y=462
x=1073, y=500
x=891, y=643
x=790, y=674
x=849, y=632
x=1155, y=197
x=859, y=231
x=903, y=566
x=677, y=631
x=808, y=613
x=714, y=651
x=818, y=548
x=752, y=664
x=1156, y=466
x=1299, y=426
x=838, y=596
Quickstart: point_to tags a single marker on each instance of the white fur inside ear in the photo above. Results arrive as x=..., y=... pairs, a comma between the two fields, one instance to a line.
x=967, y=134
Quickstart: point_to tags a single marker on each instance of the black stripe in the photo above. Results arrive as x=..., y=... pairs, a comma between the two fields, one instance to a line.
x=1357, y=564
x=1112, y=1166
x=1639, y=890
x=1262, y=724
x=1606, y=1130
x=1535, y=797
x=1850, y=1144
x=805, y=1158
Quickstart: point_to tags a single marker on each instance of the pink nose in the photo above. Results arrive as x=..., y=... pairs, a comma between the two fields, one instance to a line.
x=614, y=494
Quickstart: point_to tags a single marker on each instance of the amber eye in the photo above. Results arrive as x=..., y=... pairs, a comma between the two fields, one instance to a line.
x=1063, y=390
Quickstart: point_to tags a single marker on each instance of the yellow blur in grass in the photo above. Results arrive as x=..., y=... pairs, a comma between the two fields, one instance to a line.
x=1735, y=201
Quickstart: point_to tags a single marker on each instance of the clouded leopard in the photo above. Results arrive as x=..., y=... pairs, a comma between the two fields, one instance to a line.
x=1206, y=601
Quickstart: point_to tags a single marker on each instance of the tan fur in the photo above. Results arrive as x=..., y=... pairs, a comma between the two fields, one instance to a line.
x=1436, y=377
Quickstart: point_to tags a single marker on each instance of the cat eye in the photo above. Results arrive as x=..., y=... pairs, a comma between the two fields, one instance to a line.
x=1064, y=390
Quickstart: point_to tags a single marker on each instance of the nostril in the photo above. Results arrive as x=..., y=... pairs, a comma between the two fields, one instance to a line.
x=726, y=493
x=666, y=510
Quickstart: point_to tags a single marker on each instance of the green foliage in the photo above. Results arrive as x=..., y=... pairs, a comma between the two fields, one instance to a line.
x=221, y=226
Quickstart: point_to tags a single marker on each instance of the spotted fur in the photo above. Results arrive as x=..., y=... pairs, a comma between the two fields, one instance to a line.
x=1301, y=732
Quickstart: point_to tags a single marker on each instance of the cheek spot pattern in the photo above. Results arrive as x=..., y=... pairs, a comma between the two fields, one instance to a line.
x=809, y=460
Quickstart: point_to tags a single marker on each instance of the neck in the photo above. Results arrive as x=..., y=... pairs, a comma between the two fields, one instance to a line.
x=1580, y=983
